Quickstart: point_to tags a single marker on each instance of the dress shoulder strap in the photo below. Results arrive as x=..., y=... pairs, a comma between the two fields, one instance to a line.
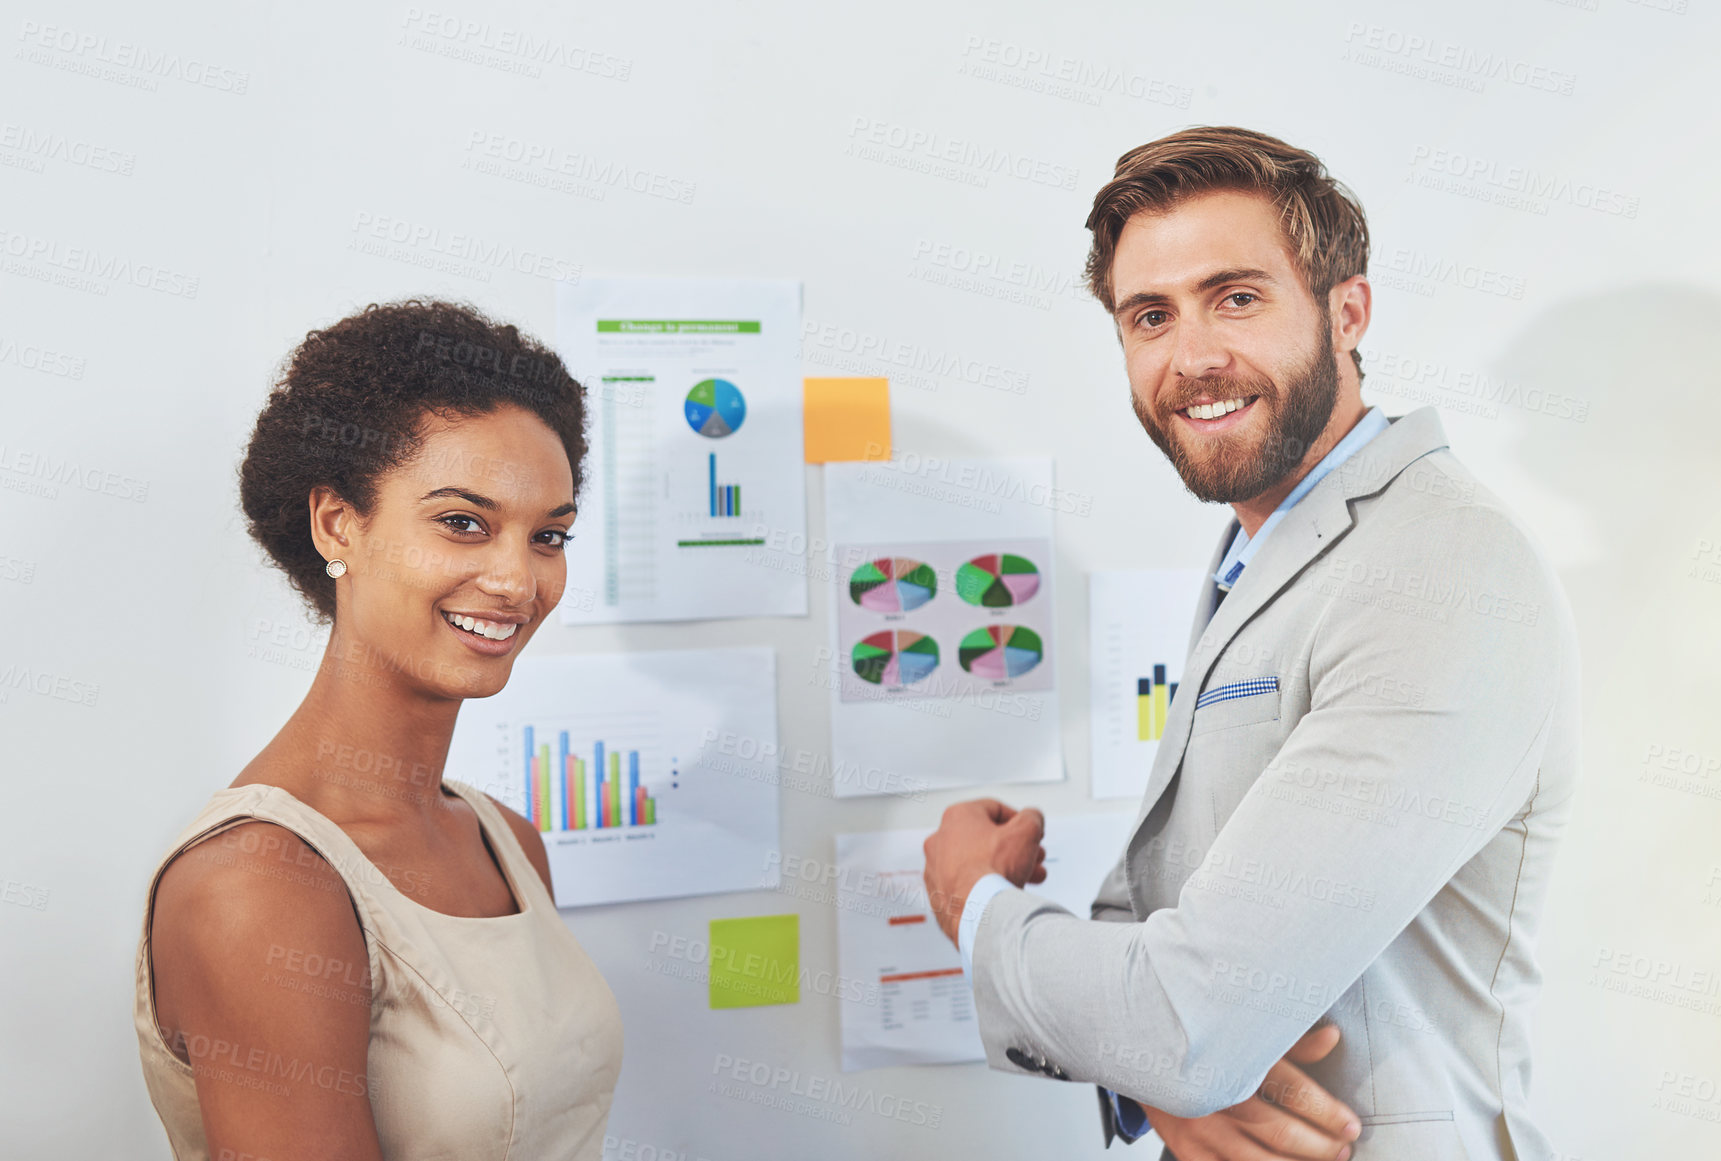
x=505, y=842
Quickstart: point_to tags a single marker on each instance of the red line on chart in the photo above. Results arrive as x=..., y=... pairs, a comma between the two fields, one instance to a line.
x=900, y=976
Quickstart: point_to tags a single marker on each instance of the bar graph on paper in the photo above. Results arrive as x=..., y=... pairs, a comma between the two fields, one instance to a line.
x=648, y=774
x=568, y=790
x=725, y=499
x=1139, y=623
x=1152, y=705
x=574, y=782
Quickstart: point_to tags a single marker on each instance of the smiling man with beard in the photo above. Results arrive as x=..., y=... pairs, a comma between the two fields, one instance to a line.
x=1330, y=898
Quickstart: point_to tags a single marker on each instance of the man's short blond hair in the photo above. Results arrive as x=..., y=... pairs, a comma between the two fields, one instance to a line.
x=1322, y=219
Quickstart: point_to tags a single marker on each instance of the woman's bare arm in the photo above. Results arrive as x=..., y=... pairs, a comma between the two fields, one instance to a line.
x=263, y=984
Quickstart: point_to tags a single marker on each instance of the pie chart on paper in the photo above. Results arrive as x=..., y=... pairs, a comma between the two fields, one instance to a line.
x=895, y=657
x=1000, y=652
x=997, y=580
x=715, y=408
x=893, y=584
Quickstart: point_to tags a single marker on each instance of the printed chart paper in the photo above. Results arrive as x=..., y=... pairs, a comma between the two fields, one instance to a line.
x=941, y=662
x=694, y=389
x=924, y=1010
x=1139, y=621
x=627, y=764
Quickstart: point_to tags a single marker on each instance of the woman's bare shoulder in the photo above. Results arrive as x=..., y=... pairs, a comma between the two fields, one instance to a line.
x=239, y=904
x=249, y=861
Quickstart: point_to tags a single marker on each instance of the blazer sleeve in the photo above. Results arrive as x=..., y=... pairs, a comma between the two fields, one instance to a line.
x=1149, y=1008
x=1112, y=905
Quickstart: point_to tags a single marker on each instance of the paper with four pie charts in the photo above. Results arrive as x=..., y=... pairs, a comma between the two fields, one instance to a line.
x=945, y=618
x=943, y=646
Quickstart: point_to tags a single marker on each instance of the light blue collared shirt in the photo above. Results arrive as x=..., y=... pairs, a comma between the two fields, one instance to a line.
x=1130, y=1120
x=1243, y=546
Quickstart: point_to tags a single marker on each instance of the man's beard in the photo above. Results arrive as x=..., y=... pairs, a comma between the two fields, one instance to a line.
x=1234, y=471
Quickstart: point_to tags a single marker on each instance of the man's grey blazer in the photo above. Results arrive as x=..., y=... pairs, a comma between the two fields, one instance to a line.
x=1351, y=817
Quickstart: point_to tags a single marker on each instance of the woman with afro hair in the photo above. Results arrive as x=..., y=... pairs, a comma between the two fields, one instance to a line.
x=346, y=954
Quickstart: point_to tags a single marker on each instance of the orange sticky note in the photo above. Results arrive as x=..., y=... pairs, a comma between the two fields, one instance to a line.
x=846, y=419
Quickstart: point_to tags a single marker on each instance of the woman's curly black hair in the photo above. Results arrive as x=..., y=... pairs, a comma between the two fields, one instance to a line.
x=349, y=404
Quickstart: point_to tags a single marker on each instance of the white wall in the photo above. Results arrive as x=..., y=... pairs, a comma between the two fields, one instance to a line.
x=352, y=109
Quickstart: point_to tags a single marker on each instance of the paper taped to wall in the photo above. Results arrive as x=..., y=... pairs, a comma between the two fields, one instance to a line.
x=694, y=389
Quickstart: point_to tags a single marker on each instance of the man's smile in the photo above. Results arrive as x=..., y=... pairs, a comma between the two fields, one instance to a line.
x=1216, y=416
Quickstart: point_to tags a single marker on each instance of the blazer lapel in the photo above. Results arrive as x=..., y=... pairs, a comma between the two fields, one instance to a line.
x=1305, y=531
x=1166, y=757
x=1210, y=591
x=1318, y=521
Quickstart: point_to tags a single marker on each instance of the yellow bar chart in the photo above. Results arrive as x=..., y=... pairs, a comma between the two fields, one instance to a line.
x=1152, y=704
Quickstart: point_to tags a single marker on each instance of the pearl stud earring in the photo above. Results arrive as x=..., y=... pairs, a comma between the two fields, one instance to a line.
x=336, y=567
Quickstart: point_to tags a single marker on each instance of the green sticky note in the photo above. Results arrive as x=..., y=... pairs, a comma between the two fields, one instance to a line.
x=755, y=961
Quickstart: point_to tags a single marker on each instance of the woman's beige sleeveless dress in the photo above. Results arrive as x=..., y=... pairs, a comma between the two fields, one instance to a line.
x=490, y=1038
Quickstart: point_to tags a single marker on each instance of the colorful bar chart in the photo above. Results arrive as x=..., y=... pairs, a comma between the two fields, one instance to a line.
x=725, y=498
x=571, y=793
x=1152, y=704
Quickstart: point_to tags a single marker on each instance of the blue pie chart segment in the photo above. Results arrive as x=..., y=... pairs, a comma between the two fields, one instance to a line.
x=715, y=408
x=1019, y=661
